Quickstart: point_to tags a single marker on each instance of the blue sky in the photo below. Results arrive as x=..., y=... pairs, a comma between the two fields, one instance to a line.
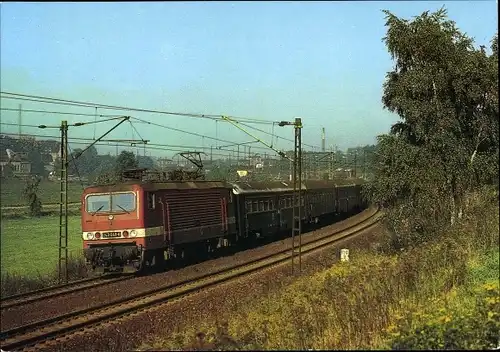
x=322, y=61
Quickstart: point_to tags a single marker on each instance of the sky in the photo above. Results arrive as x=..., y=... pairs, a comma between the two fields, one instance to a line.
x=322, y=61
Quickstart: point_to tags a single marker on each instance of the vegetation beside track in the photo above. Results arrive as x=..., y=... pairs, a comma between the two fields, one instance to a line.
x=11, y=192
x=29, y=252
x=358, y=304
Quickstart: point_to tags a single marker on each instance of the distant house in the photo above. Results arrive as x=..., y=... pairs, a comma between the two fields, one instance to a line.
x=17, y=162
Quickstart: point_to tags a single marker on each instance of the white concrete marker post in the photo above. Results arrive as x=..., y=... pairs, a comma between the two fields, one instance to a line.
x=344, y=255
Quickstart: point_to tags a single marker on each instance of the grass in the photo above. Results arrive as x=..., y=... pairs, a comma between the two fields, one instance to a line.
x=375, y=301
x=11, y=193
x=29, y=247
x=465, y=317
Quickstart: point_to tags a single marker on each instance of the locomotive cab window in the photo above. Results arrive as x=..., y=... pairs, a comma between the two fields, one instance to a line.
x=151, y=200
x=111, y=202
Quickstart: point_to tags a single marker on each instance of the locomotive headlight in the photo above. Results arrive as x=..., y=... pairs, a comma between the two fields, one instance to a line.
x=90, y=236
x=133, y=233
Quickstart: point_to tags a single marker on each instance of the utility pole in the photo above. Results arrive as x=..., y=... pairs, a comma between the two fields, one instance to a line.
x=355, y=163
x=331, y=162
x=323, y=141
x=297, y=179
x=20, y=120
x=297, y=194
x=297, y=186
x=249, y=158
x=364, y=164
x=63, y=205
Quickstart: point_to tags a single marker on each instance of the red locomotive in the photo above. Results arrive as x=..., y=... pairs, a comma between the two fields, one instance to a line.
x=132, y=225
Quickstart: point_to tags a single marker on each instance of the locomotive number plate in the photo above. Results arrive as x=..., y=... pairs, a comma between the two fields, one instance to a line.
x=111, y=234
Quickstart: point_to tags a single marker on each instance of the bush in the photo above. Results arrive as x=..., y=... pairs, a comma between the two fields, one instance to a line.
x=478, y=329
x=12, y=284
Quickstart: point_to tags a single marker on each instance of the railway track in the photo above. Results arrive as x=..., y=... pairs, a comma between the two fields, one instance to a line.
x=54, y=291
x=55, y=328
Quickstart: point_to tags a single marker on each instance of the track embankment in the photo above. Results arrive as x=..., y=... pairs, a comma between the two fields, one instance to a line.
x=89, y=310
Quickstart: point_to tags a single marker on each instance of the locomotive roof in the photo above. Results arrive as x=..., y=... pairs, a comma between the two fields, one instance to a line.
x=153, y=186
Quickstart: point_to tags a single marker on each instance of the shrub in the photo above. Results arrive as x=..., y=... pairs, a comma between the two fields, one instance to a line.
x=477, y=329
x=12, y=283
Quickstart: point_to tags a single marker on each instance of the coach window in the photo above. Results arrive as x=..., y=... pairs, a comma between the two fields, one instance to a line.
x=255, y=206
x=151, y=200
x=261, y=206
x=271, y=204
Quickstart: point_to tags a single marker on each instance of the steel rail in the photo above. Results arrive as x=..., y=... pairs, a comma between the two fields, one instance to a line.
x=56, y=327
x=54, y=291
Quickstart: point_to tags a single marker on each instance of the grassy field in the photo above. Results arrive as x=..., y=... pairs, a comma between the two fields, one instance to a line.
x=12, y=192
x=30, y=246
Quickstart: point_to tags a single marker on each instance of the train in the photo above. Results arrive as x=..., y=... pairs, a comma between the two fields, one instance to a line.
x=130, y=226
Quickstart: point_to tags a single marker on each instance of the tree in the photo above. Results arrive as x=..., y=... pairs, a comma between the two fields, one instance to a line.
x=145, y=162
x=83, y=164
x=7, y=171
x=30, y=192
x=446, y=144
x=124, y=161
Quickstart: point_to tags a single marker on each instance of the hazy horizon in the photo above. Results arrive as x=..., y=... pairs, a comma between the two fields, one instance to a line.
x=324, y=62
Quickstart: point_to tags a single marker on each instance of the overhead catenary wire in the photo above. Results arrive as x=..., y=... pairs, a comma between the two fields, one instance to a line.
x=135, y=129
x=188, y=132
x=145, y=122
x=148, y=147
x=242, y=121
x=44, y=99
x=59, y=112
x=125, y=143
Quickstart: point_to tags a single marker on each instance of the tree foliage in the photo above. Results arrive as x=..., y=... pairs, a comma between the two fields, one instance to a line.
x=83, y=163
x=30, y=192
x=446, y=144
x=126, y=160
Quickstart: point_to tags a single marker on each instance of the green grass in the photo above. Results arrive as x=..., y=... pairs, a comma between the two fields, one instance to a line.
x=466, y=317
x=484, y=268
x=12, y=192
x=30, y=246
